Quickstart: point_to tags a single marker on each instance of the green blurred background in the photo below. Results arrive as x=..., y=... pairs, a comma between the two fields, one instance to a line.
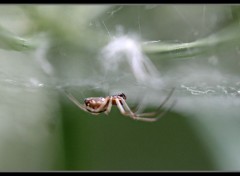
x=44, y=48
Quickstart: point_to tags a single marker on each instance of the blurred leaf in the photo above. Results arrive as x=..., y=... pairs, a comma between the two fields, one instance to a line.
x=225, y=38
x=67, y=23
x=11, y=41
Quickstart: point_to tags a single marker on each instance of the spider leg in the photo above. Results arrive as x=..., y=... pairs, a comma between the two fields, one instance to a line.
x=120, y=107
x=161, y=114
x=137, y=108
x=75, y=101
x=93, y=113
x=166, y=99
x=141, y=116
x=130, y=113
x=109, y=107
x=160, y=107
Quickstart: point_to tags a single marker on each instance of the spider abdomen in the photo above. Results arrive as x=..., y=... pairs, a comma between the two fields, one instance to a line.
x=94, y=103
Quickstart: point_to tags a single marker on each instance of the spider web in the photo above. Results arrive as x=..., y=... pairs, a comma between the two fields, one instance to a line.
x=125, y=67
x=199, y=76
x=207, y=86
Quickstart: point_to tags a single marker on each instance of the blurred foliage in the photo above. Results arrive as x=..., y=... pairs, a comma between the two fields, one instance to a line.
x=47, y=47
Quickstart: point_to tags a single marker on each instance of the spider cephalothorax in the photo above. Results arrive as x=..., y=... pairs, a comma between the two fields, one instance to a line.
x=122, y=95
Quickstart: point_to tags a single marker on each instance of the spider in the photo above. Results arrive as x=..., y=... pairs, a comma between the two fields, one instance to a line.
x=97, y=105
